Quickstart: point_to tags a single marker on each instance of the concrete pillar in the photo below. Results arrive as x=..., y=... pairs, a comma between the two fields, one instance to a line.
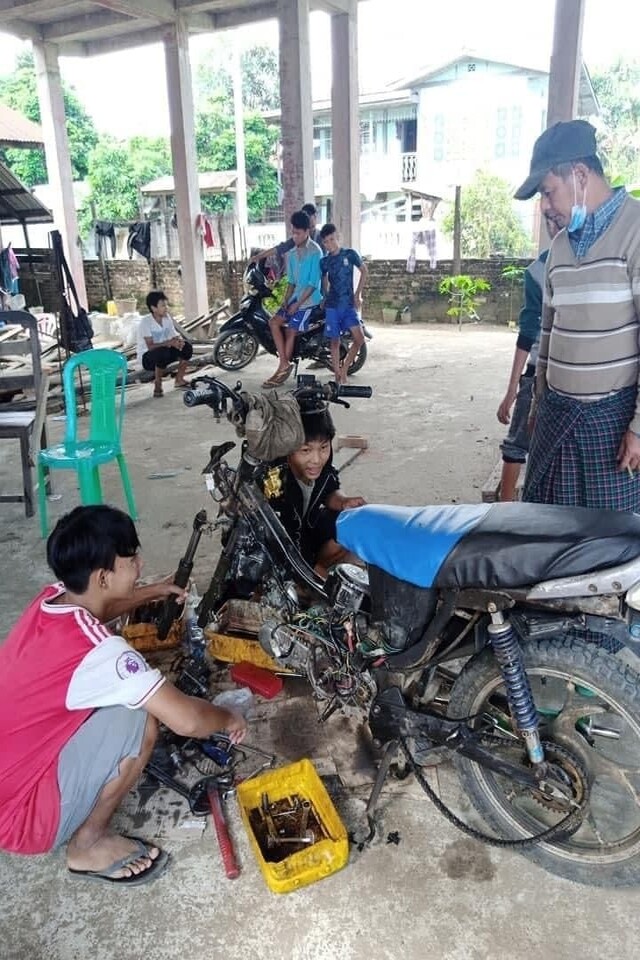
x=345, y=124
x=56, y=147
x=566, y=61
x=296, y=105
x=185, y=170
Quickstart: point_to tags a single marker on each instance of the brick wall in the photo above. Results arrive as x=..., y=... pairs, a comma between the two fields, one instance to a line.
x=133, y=279
x=389, y=285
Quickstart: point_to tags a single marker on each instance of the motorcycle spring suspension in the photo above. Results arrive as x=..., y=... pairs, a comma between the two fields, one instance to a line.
x=511, y=662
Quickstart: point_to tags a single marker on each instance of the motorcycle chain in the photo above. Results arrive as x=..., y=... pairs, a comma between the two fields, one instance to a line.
x=563, y=827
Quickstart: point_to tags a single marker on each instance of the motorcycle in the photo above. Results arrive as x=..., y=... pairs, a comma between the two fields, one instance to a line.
x=243, y=334
x=490, y=635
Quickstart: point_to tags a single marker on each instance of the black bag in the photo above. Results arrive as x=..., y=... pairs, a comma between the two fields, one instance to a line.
x=76, y=331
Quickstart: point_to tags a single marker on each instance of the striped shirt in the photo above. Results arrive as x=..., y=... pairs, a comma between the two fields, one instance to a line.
x=589, y=346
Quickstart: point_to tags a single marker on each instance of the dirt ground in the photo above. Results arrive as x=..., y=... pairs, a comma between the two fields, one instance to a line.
x=433, y=437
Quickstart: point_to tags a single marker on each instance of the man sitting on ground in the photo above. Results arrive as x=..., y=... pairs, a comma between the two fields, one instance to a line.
x=160, y=344
x=342, y=303
x=79, y=707
x=302, y=295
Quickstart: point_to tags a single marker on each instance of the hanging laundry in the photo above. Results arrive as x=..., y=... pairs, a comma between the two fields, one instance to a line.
x=139, y=239
x=427, y=236
x=105, y=230
x=6, y=277
x=205, y=228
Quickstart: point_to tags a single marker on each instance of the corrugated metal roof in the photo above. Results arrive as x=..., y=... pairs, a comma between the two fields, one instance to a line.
x=17, y=203
x=215, y=181
x=17, y=131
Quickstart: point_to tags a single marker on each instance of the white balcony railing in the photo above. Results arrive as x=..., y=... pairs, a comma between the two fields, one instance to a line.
x=379, y=173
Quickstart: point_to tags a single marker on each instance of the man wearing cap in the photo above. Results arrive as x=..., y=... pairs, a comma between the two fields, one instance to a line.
x=585, y=447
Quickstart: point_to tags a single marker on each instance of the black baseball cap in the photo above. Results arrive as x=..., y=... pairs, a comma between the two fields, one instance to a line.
x=561, y=143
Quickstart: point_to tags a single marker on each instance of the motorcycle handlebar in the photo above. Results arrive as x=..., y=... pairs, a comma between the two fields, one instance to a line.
x=214, y=393
x=351, y=390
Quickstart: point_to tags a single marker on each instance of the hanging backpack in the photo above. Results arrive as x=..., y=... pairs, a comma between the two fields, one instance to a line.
x=76, y=331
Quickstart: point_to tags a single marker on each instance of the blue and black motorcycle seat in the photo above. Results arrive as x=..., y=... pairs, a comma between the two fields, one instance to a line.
x=488, y=545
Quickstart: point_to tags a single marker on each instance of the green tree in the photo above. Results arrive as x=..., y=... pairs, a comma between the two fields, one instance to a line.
x=260, y=78
x=489, y=222
x=216, y=147
x=116, y=170
x=618, y=91
x=19, y=91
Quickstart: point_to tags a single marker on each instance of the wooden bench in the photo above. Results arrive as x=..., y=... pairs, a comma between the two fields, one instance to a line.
x=23, y=418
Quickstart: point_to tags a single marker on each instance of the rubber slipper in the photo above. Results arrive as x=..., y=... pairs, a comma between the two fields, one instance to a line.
x=279, y=378
x=181, y=386
x=157, y=867
x=158, y=393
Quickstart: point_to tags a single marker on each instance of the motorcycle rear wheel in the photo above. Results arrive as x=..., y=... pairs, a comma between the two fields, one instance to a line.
x=589, y=704
x=235, y=349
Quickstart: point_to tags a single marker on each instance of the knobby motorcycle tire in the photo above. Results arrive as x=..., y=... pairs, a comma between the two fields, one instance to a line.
x=592, y=667
x=249, y=350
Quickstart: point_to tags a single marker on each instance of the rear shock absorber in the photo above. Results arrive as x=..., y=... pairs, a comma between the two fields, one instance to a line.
x=511, y=662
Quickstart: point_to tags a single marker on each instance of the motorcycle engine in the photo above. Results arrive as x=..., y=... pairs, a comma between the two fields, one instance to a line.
x=346, y=586
x=288, y=644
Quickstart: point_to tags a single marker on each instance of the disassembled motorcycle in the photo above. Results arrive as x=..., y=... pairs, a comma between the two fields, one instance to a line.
x=489, y=635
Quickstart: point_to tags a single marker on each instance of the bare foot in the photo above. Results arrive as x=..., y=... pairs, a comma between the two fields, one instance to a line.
x=106, y=851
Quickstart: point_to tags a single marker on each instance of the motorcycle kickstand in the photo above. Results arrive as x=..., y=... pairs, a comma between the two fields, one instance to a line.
x=390, y=751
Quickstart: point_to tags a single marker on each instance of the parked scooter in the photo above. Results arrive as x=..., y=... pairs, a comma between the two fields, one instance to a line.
x=243, y=334
x=485, y=634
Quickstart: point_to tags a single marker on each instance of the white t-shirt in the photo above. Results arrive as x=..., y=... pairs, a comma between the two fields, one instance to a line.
x=149, y=327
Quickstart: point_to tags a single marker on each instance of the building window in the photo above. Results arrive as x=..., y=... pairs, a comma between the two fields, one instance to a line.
x=365, y=136
x=508, y=132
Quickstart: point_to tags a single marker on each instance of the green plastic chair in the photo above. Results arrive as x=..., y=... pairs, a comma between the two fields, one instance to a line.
x=104, y=435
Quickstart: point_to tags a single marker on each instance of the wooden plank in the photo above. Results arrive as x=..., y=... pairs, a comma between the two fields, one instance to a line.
x=491, y=487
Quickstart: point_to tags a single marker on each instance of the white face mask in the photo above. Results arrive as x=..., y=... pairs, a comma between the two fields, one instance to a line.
x=578, y=211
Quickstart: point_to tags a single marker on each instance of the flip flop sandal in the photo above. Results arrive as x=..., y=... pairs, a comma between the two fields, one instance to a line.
x=158, y=393
x=157, y=867
x=282, y=377
x=181, y=386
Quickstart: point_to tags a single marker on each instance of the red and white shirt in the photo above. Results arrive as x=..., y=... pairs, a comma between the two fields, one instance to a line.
x=57, y=666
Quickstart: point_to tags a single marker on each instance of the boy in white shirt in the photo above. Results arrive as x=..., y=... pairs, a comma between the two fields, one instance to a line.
x=160, y=344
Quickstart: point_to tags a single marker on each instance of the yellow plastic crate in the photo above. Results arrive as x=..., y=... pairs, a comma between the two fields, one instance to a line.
x=230, y=649
x=324, y=857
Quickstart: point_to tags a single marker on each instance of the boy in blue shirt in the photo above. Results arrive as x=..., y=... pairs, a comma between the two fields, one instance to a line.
x=342, y=302
x=303, y=293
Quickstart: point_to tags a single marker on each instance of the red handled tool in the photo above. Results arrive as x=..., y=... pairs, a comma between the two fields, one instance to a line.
x=224, y=840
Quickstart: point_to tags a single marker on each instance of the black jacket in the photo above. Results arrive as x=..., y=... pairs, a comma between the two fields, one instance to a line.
x=283, y=492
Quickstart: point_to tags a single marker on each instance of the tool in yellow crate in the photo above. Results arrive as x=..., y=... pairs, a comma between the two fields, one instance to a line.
x=288, y=791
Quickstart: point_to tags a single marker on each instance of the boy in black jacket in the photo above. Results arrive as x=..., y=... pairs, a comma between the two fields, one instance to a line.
x=304, y=490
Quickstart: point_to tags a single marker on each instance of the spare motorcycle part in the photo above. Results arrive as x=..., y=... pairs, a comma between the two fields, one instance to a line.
x=574, y=684
x=225, y=844
x=171, y=609
x=346, y=587
x=509, y=656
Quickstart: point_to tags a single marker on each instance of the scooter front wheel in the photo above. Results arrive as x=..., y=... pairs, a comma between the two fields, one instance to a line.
x=234, y=349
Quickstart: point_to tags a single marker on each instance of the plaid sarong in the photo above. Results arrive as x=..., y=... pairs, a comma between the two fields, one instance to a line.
x=573, y=453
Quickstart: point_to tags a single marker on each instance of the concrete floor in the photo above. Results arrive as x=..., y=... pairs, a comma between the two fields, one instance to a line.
x=433, y=438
